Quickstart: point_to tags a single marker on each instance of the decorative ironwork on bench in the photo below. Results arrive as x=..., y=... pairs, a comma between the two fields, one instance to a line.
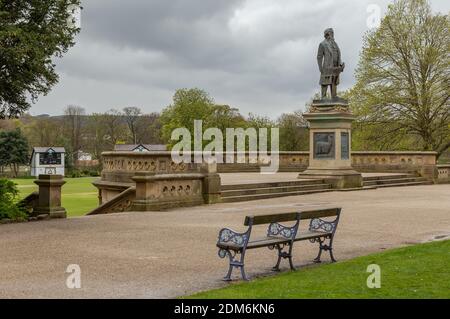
x=318, y=224
x=276, y=229
x=279, y=237
x=227, y=235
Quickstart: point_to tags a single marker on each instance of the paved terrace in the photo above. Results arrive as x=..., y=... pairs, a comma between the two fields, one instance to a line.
x=168, y=254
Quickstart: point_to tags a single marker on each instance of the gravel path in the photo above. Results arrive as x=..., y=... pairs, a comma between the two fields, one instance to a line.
x=168, y=254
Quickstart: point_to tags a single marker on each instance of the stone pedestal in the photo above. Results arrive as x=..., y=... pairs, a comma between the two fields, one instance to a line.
x=330, y=144
x=49, y=202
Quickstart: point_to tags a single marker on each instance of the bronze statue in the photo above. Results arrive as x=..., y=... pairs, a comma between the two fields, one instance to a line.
x=330, y=64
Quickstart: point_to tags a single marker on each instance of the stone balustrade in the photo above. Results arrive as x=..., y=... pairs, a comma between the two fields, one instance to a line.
x=157, y=181
x=392, y=161
x=160, y=181
x=121, y=167
x=443, y=173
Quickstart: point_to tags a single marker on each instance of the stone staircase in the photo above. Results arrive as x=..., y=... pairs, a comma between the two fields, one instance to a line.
x=398, y=180
x=247, y=192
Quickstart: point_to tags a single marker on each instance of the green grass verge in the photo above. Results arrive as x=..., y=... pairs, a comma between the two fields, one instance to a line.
x=420, y=271
x=79, y=196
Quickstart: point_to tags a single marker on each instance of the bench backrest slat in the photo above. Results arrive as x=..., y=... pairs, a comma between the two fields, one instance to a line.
x=273, y=218
x=287, y=217
x=330, y=212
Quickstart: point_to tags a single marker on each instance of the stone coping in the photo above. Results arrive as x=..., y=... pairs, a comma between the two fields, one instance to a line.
x=393, y=153
x=168, y=153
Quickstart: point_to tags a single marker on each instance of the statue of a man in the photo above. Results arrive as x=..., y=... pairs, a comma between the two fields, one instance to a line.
x=330, y=64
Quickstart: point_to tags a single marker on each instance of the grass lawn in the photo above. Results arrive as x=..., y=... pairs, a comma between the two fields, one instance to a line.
x=79, y=196
x=420, y=271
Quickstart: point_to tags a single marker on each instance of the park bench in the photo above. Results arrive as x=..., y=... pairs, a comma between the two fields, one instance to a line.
x=279, y=237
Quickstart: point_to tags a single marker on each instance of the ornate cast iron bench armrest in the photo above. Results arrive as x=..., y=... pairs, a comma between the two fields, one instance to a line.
x=231, y=243
x=320, y=225
x=231, y=239
x=328, y=228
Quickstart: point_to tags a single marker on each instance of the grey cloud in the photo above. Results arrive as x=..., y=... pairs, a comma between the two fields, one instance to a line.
x=257, y=55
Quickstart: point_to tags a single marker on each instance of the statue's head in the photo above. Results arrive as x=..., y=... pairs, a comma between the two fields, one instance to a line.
x=329, y=33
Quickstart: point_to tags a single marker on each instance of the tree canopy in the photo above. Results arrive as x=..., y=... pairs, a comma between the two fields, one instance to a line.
x=13, y=150
x=403, y=88
x=32, y=34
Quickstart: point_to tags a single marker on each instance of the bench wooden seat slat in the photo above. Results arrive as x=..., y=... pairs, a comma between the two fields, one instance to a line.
x=311, y=234
x=257, y=243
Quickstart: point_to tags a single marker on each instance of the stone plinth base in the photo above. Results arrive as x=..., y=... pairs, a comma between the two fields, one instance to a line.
x=54, y=212
x=49, y=202
x=330, y=144
x=339, y=178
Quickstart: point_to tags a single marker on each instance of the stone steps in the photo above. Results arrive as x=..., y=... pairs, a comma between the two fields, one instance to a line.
x=272, y=184
x=255, y=191
x=245, y=198
x=387, y=177
x=272, y=190
x=404, y=184
x=394, y=181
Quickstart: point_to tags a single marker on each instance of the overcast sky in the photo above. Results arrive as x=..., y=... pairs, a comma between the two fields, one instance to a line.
x=257, y=55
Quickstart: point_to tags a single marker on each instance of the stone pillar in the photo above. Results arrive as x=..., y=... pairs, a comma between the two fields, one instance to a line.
x=330, y=143
x=49, y=202
x=211, y=184
x=430, y=172
x=147, y=192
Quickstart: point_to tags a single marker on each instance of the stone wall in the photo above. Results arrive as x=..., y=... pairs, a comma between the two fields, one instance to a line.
x=119, y=168
x=167, y=182
x=393, y=161
x=443, y=173
x=152, y=181
x=362, y=161
x=289, y=162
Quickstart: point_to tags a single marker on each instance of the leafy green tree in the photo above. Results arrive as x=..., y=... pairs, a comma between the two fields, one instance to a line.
x=294, y=135
x=13, y=150
x=224, y=116
x=403, y=88
x=188, y=105
x=32, y=33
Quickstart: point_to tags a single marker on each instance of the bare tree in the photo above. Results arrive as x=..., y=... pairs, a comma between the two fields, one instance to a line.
x=73, y=124
x=132, y=115
x=114, y=127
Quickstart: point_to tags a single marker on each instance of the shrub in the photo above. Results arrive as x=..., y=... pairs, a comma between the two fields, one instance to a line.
x=8, y=207
x=86, y=172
